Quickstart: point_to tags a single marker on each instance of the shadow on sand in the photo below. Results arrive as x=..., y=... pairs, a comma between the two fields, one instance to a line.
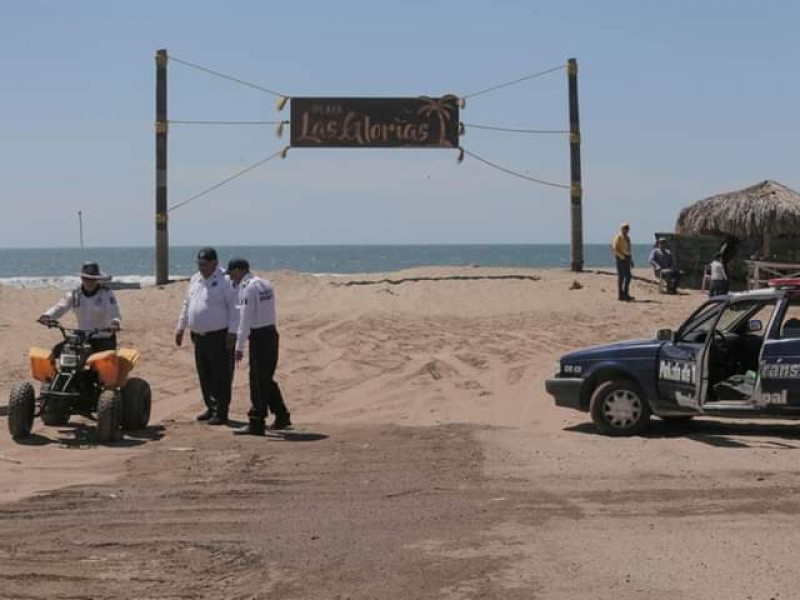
x=284, y=435
x=716, y=433
x=82, y=437
x=291, y=435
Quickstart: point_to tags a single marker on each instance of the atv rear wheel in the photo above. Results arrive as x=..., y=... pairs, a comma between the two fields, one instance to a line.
x=109, y=416
x=136, y=403
x=21, y=408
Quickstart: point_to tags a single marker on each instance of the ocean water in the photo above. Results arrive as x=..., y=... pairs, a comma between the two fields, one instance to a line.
x=58, y=267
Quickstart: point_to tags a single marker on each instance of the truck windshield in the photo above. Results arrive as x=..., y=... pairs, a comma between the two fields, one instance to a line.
x=736, y=313
x=732, y=317
x=701, y=321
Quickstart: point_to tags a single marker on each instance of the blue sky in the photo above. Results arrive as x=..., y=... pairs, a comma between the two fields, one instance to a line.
x=679, y=100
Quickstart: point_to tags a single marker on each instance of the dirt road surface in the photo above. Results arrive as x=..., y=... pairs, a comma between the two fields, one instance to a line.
x=705, y=510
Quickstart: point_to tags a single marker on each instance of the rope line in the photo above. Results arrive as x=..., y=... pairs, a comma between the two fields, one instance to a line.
x=228, y=77
x=493, y=128
x=227, y=122
x=514, y=173
x=514, y=82
x=224, y=181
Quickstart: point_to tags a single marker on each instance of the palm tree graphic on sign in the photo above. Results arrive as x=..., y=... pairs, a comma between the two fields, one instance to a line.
x=441, y=108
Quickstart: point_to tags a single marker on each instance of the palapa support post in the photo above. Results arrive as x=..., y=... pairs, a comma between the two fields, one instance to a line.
x=575, y=191
x=162, y=233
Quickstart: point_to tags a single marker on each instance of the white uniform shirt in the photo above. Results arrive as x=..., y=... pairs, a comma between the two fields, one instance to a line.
x=718, y=271
x=256, y=306
x=92, y=312
x=210, y=304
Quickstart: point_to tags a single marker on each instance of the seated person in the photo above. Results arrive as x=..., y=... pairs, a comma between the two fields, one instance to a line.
x=664, y=266
x=95, y=307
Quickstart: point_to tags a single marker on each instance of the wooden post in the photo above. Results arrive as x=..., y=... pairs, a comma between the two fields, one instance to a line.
x=162, y=233
x=80, y=226
x=575, y=192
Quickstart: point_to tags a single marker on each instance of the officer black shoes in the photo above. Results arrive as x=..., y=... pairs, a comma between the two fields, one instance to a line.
x=282, y=422
x=254, y=427
x=218, y=418
x=205, y=416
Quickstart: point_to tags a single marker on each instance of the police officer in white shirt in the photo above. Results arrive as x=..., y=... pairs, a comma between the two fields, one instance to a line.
x=209, y=312
x=95, y=307
x=257, y=324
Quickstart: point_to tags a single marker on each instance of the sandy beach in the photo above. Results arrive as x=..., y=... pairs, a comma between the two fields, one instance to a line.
x=427, y=460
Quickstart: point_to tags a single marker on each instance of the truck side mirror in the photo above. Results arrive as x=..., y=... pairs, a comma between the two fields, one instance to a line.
x=754, y=325
x=665, y=335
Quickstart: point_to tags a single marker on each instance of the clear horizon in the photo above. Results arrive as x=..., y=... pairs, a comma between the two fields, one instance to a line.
x=231, y=245
x=678, y=102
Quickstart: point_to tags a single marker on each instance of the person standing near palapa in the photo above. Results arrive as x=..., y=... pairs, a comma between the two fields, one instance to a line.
x=209, y=312
x=621, y=247
x=718, y=284
x=257, y=324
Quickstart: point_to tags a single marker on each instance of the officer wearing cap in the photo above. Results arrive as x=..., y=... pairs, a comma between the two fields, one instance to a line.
x=94, y=305
x=209, y=312
x=257, y=324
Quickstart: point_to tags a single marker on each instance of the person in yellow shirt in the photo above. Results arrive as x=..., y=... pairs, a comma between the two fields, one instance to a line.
x=621, y=247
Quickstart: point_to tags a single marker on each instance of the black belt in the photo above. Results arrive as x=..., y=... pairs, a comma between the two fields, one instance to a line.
x=264, y=328
x=207, y=333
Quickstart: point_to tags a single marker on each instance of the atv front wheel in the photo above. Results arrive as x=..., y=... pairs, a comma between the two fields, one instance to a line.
x=109, y=416
x=136, y=402
x=21, y=408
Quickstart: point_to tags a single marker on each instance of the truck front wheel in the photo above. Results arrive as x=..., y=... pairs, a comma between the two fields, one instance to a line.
x=619, y=408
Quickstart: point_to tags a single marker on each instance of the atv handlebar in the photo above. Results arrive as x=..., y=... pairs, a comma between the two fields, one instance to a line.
x=66, y=332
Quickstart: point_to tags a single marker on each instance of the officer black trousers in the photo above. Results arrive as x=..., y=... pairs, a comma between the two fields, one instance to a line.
x=214, y=363
x=264, y=390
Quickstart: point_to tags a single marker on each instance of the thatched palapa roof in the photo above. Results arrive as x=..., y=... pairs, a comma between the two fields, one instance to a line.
x=765, y=210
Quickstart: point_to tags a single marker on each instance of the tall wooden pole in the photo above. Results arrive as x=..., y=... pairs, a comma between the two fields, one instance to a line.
x=576, y=191
x=80, y=226
x=162, y=233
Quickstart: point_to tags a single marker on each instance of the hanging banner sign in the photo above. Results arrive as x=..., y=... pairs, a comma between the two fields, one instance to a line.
x=375, y=122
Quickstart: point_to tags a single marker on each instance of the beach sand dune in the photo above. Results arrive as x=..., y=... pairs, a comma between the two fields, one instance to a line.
x=427, y=460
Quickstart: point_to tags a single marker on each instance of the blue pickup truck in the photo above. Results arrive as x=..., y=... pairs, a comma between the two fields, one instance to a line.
x=737, y=355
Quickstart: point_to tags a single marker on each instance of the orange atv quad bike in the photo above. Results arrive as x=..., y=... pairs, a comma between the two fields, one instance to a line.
x=77, y=381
